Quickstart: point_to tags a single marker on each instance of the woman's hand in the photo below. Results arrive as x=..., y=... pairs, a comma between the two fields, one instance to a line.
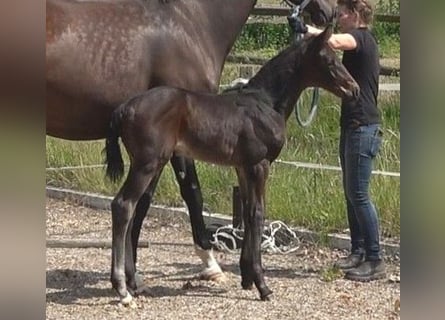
x=313, y=31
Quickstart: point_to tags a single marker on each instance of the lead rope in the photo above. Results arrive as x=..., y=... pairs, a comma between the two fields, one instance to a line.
x=229, y=239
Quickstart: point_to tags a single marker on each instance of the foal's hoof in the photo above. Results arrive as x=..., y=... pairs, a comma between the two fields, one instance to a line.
x=267, y=295
x=138, y=286
x=247, y=285
x=141, y=289
x=127, y=300
x=139, y=280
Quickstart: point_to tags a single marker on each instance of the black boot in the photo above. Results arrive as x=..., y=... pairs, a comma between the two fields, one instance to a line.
x=351, y=261
x=367, y=271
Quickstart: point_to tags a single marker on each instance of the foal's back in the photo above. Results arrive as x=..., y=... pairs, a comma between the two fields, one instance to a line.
x=227, y=129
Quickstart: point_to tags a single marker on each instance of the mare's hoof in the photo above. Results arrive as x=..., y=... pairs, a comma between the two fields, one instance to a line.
x=214, y=276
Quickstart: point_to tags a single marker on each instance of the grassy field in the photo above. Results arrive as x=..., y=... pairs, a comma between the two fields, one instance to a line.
x=304, y=197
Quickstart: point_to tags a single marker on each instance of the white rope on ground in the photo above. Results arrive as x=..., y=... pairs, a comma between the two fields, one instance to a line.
x=229, y=233
x=272, y=242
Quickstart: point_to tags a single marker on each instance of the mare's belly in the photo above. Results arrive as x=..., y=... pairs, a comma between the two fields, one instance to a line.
x=75, y=119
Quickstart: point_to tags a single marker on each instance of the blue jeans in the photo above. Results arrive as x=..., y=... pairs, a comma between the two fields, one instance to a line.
x=358, y=148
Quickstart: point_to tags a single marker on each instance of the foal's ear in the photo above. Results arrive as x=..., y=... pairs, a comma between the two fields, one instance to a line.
x=326, y=34
x=320, y=41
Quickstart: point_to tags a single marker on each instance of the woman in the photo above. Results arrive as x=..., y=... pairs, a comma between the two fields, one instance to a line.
x=360, y=138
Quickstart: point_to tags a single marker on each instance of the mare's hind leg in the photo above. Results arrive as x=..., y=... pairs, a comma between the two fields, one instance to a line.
x=185, y=172
x=134, y=281
x=122, y=210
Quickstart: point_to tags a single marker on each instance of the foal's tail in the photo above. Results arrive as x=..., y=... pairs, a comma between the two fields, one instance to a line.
x=115, y=164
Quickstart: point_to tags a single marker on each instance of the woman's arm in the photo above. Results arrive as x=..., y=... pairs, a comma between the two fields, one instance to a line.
x=340, y=41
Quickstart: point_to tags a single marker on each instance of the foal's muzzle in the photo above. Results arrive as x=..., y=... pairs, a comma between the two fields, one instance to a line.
x=351, y=91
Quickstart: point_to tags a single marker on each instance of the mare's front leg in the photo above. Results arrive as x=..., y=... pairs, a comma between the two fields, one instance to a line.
x=122, y=210
x=254, y=218
x=134, y=281
x=187, y=178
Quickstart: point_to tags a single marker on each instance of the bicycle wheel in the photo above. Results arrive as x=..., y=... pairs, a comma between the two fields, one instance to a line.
x=306, y=106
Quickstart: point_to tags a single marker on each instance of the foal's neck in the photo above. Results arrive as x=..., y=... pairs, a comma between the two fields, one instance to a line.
x=282, y=80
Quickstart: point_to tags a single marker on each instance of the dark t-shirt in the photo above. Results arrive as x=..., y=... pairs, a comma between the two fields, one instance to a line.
x=363, y=64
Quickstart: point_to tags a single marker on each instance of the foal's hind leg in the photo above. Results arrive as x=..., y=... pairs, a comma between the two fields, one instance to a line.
x=134, y=282
x=254, y=219
x=245, y=260
x=185, y=172
x=122, y=209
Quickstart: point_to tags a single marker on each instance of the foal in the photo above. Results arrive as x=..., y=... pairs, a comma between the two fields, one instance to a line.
x=244, y=128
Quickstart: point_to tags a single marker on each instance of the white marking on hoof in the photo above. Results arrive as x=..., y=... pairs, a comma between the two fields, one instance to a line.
x=215, y=277
x=212, y=269
x=127, y=299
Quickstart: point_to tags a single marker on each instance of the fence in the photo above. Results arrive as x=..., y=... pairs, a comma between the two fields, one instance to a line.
x=283, y=11
x=246, y=60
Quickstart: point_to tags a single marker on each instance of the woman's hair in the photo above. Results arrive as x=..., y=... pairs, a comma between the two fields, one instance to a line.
x=364, y=8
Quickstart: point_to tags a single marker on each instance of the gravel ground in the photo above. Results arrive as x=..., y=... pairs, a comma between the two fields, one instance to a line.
x=78, y=287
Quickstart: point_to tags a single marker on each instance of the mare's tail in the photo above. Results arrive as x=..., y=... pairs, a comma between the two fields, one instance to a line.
x=114, y=162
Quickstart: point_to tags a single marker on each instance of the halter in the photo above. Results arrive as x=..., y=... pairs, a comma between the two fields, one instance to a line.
x=296, y=17
x=300, y=7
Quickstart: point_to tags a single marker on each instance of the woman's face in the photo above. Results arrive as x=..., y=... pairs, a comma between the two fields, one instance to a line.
x=346, y=19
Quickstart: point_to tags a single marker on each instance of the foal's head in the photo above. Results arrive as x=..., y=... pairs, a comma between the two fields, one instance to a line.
x=322, y=68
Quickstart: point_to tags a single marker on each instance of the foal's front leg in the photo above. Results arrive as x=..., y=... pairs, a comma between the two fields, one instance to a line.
x=245, y=258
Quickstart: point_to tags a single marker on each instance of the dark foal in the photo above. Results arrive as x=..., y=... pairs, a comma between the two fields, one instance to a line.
x=244, y=128
x=101, y=52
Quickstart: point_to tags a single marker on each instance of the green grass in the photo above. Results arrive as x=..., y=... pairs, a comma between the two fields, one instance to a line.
x=303, y=197
x=330, y=274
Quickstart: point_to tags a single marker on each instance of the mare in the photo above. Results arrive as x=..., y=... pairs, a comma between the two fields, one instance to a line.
x=243, y=128
x=101, y=52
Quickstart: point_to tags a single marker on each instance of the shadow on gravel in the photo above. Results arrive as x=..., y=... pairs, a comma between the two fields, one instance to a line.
x=74, y=285
x=291, y=273
x=187, y=271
